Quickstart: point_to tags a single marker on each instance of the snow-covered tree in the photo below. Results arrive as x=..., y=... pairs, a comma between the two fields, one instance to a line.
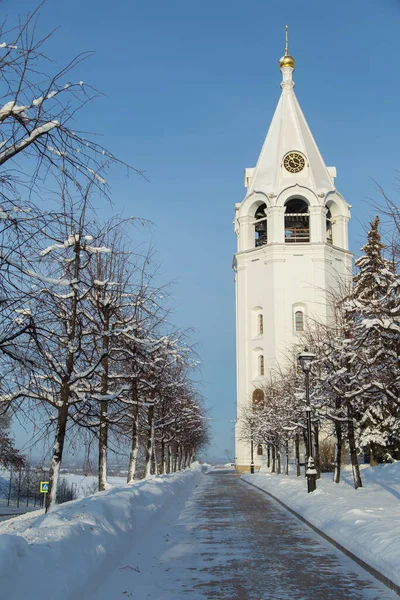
x=38, y=145
x=83, y=335
x=111, y=310
x=276, y=416
x=63, y=372
x=9, y=455
x=375, y=309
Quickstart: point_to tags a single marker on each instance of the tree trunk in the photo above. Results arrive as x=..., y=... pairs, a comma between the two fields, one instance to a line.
x=180, y=458
x=268, y=456
x=162, y=458
x=287, y=458
x=372, y=455
x=58, y=448
x=149, y=442
x=103, y=433
x=297, y=450
x=135, y=437
x=278, y=460
x=62, y=416
x=273, y=470
x=175, y=458
x=316, y=451
x=352, y=448
x=168, y=469
x=183, y=459
x=103, y=441
x=154, y=462
x=338, y=452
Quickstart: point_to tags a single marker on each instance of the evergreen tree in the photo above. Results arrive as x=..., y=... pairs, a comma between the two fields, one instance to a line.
x=375, y=310
x=9, y=455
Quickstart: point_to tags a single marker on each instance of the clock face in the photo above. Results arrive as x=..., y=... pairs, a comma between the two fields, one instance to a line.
x=294, y=162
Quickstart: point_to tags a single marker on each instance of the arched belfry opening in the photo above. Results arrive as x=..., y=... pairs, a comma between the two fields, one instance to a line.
x=329, y=226
x=297, y=221
x=260, y=226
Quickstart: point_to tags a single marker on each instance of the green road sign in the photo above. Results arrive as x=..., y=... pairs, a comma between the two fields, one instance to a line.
x=44, y=487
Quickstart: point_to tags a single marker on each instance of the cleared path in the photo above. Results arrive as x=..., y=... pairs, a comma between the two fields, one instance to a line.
x=229, y=541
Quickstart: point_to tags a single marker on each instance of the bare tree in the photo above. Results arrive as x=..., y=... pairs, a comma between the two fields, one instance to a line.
x=37, y=146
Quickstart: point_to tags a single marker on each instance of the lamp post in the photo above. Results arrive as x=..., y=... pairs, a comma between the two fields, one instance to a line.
x=305, y=360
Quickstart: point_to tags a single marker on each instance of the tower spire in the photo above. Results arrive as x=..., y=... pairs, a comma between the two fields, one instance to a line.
x=287, y=41
x=287, y=60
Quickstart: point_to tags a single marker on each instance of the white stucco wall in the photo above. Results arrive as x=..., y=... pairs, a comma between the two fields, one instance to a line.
x=280, y=277
x=276, y=280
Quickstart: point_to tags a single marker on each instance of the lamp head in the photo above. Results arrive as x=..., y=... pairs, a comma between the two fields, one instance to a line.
x=305, y=359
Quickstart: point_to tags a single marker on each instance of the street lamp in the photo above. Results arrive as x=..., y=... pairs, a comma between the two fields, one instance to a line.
x=305, y=360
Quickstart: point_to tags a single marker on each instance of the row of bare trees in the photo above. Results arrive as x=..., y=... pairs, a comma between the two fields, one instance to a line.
x=85, y=342
x=355, y=377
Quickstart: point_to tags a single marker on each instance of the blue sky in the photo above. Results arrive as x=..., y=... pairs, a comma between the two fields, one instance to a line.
x=190, y=89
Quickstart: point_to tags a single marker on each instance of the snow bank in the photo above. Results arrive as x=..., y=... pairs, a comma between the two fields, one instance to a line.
x=365, y=521
x=67, y=547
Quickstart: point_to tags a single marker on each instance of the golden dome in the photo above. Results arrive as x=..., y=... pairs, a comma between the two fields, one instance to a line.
x=287, y=61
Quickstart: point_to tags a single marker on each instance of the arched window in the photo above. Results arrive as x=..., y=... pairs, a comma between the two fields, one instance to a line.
x=329, y=231
x=260, y=324
x=261, y=365
x=297, y=221
x=259, y=450
x=299, y=320
x=260, y=226
x=258, y=399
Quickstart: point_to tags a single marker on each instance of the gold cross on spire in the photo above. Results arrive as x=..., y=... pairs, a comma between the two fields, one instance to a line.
x=287, y=41
x=287, y=60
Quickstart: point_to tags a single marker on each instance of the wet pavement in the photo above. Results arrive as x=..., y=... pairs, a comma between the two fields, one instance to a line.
x=251, y=548
x=231, y=541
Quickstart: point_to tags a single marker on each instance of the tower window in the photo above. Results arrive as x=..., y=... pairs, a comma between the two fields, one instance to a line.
x=299, y=320
x=258, y=399
x=297, y=221
x=261, y=365
x=260, y=324
x=329, y=232
x=259, y=450
x=260, y=226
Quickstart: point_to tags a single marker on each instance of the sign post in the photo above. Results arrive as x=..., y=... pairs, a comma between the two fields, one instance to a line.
x=44, y=489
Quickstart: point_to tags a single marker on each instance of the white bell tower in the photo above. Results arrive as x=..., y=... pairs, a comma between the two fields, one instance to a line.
x=292, y=247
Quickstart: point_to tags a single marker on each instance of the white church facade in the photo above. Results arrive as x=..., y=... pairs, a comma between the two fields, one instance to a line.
x=292, y=247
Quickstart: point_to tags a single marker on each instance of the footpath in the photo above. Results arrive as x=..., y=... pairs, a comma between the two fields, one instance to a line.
x=229, y=541
x=363, y=522
x=196, y=535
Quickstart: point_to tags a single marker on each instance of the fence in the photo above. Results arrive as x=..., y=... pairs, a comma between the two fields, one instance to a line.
x=21, y=488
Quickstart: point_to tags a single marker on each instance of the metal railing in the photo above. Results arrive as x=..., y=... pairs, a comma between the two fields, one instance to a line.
x=21, y=488
x=295, y=234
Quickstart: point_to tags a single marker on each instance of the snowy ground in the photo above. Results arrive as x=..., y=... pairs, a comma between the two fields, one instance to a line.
x=88, y=484
x=68, y=547
x=365, y=521
x=121, y=539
